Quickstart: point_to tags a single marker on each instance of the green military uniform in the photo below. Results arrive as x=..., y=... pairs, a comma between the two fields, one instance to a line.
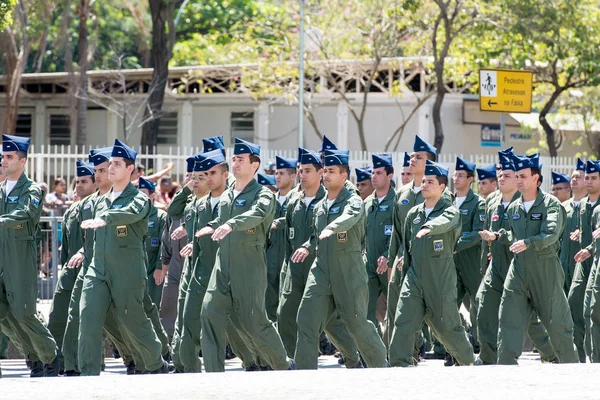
x=535, y=280
x=72, y=242
x=275, y=254
x=156, y=226
x=19, y=217
x=576, y=293
x=237, y=286
x=337, y=281
x=378, y=233
x=183, y=207
x=568, y=247
x=112, y=327
x=298, y=225
x=429, y=289
x=592, y=298
x=117, y=275
x=205, y=252
x=490, y=292
x=493, y=197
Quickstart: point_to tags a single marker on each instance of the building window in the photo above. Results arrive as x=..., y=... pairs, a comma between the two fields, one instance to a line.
x=23, y=127
x=167, y=129
x=60, y=133
x=242, y=126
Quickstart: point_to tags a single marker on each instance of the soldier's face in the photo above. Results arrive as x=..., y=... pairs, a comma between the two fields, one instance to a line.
x=333, y=178
x=11, y=163
x=561, y=191
x=101, y=175
x=118, y=171
x=526, y=181
x=460, y=180
x=84, y=186
x=592, y=183
x=431, y=188
x=417, y=162
x=242, y=167
x=380, y=179
x=486, y=186
x=365, y=188
x=577, y=180
x=309, y=176
x=216, y=178
x=406, y=176
x=507, y=181
x=283, y=178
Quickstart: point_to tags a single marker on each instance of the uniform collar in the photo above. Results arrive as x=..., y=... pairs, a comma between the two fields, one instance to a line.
x=442, y=202
x=343, y=195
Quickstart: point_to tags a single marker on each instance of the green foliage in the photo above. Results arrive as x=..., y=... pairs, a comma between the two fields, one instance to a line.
x=5, y=12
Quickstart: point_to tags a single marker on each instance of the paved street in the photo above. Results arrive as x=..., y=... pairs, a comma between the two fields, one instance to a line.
x=531, y=380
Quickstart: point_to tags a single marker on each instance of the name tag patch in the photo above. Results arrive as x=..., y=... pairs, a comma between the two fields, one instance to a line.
x=154, y=242
x=240, y=202
x=122, y=231
x=12, y=199
x=292, y=233
x=388, y=230
x=251, y=231
x=320, y=212
x=150, y=224
x=334, y=210
x=222, y=203
x=464, y=212
x=438, y=245
x=384, y=208
x=117, y=206
x=342, y=237
x=536, y=216
x=516, y=217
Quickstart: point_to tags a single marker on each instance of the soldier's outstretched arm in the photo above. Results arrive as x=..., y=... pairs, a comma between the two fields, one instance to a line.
x=550, y=230
x=353, y=211
x=133, y=212
x=261, y=210
x=472, y=238
x=28, y=208
x=449, y=220
x=176, y=207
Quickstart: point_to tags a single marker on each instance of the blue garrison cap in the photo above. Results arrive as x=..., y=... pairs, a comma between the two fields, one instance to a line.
x=311, y=157
x=464, y=165
x=15, y=143
x=213, y=143
x=486, y=172
x=336, y=157
x=560, y=178
x=205, y=161
x=523, y=162
x=421, y=145
x=242, y=146
x=266, y=180
x=146, y=184
x=506, y=162
x=120, y=149
x=99, y=156
x=382, y=160
x=300, y=152
x=580, y=165
x=327, y=144
x=283, y=162
x=591, y=167
x=507, y=152
x=432, y=168
x=84, y=169
x=363, y=174
x=190, y=162
x=406, y=160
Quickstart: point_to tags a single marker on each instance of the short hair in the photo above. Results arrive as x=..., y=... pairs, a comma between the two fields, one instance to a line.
x=21, y=155
x=539, y=173
x=388, y=169
x=224, y=167
x=345, y=168
x=431, y=156
x=442, y=179
x=470, y=174
x=291, y=171
x=493, y=178
x=128, y=162
x=140, y=167
x=58, y=181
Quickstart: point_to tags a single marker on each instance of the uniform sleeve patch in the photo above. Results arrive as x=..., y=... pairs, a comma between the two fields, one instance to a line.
x=438, y=245
x=388, y=230
x=35, y=202
x=482, y=217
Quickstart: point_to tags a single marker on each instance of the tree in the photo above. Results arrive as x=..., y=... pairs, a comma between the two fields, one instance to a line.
x=83, y=50
x=6, y=7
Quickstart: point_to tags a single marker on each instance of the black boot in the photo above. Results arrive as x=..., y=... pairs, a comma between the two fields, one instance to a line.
x=53, y=368
x=131, y=368
x=449, y=361
x=162, y=370
x=229, y=355
x=37, y=369
x=253, y=368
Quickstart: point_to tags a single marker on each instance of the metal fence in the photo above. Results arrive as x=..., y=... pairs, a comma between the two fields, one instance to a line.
x=49, y=162
x=48, y=256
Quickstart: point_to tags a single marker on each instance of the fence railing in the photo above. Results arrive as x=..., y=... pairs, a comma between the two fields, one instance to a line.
x=46, y=163
x=49, y=256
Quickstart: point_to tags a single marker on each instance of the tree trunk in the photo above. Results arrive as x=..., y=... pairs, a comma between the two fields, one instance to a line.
x=82, y=49
x=160, y=56
x=550, y=134
x=436, y=111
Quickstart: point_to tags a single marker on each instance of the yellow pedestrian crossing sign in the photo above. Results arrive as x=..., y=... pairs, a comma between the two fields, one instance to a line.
x=505, y=90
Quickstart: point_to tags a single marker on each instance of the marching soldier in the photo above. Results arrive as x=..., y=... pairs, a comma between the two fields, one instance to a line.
x=561, y=186
x=487, y=182
x=363, y=182
x=406, y=175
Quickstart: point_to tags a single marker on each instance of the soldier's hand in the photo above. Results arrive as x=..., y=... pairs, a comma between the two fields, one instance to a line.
x=159, y=278
x=487, y=235
x=221, y=232
x=596, y=234
x=207, y=230
x=179, y=233
x=489, y=256
x=76, y=261
x=187, y=250
x=93, y=223
x=518, y=247
x=169, y=167
x=423, y=232
x=325, y=233
x=575, y=236
x=582, y=255
x=400, y=263
x=300, y=255
x=382, y=265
